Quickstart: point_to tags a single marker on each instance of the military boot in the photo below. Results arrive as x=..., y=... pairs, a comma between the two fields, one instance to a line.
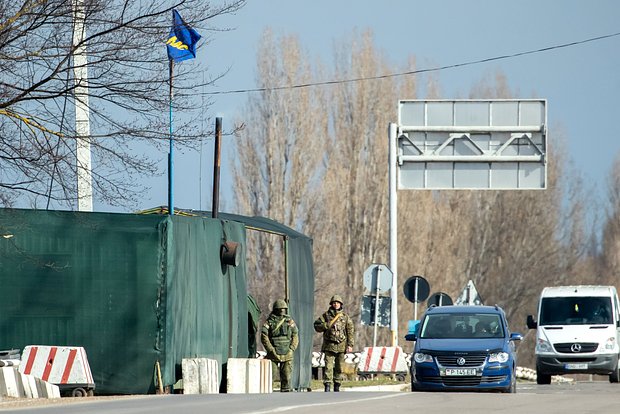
x=336, y=387
x=327, y=387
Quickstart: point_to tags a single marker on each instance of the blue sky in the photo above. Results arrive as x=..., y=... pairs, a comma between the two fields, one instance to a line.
x=581, y=83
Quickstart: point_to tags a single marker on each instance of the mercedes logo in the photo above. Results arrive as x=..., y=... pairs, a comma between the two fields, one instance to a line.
x=460, y=361
x=575, y=347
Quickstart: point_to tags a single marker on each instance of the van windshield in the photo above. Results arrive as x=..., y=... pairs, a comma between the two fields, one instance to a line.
x=586, y=310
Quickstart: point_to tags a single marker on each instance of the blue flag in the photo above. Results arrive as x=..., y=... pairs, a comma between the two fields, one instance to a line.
x=182, y=39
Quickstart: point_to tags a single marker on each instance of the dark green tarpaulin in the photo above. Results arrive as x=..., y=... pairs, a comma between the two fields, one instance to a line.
x=206, y=314
x=300, y=274
x=134, y=290
x=90, y=280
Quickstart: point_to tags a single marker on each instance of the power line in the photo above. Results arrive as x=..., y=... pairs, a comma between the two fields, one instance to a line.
x=414, y=72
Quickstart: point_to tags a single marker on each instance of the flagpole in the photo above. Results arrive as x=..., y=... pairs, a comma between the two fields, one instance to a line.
x=181, y=45
x=170, y=152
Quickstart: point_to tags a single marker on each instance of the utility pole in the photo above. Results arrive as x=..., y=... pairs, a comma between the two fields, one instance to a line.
x=82, y=111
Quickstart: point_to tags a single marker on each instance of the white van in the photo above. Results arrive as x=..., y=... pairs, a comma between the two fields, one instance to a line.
x=578, y=331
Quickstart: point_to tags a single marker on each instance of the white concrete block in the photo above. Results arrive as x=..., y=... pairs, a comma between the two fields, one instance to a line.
x=248, y=376
x=200, y=376
x=9, y=386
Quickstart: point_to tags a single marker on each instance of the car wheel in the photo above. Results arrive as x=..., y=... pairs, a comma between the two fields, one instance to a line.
x=615, y=376
x=542, y=379
x=513, y=386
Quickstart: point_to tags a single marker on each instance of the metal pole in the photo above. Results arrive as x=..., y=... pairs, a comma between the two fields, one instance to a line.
x=216, y=167
x=392, y=137
x=415, y=303
x=374, y=338
x=170, y=151
x=287, y=294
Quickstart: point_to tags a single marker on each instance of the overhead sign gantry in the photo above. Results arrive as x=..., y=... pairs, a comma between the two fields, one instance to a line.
x=498, y=144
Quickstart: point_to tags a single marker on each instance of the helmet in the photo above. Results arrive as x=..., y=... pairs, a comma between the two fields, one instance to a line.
x=336, y=298
x=280, y=304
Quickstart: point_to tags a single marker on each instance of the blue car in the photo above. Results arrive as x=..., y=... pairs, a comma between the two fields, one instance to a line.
x=463, y=348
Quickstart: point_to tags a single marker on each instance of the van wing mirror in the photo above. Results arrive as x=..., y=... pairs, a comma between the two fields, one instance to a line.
x=531, y=323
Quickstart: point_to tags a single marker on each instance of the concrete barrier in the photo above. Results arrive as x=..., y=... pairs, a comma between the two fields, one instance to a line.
x=200, y=376
x=382, y=359
x=249, y=376
x=318, y=359
x=65, y=366
x=524, y=373
x=9, y=362
x=9, y=387
x=15, y=384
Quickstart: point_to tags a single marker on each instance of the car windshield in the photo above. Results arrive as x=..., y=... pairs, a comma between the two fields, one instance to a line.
x=462, y=325
x=585, y=310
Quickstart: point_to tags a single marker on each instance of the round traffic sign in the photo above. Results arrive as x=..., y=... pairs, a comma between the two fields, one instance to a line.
x=439, y=299
x=423, y=289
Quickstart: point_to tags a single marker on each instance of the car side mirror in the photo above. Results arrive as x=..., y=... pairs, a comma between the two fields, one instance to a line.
x=531, y=323
x=412, y=330
x=515, y=336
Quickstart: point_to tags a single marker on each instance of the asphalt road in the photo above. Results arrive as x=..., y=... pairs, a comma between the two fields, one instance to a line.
x=581, y=397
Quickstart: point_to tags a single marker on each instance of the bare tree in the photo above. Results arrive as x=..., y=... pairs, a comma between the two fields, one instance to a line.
x=509, y=243
x=280, y=154
x=609, y=263
x=128, y=93
x=357, y=177
x=315, y=159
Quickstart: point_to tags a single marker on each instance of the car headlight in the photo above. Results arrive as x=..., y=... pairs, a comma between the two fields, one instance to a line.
x=499, y=357
x=543, y=346
x=420, y=357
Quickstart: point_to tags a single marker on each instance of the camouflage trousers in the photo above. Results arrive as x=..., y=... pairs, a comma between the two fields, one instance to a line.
x=334, y=362
x=285, y=371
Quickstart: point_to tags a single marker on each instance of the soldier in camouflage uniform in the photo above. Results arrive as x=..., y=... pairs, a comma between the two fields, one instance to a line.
x=338, y=331
x=280, y=338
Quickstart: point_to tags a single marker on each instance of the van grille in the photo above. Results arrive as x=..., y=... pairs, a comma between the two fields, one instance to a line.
x=586, y=347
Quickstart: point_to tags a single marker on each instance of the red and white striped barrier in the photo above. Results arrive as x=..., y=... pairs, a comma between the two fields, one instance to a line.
x=65, y=366
x=382, y=359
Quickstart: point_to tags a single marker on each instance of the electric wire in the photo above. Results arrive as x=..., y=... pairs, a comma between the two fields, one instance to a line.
x=415, y=72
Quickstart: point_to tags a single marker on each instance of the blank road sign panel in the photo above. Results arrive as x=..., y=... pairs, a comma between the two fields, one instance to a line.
x=472, y=144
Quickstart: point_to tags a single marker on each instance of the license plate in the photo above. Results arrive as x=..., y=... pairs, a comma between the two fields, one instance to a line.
x=576, y=366
x=460, y=371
